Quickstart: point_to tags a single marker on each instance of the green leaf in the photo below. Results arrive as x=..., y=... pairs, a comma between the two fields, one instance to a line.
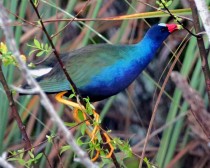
x=39, y=23
x=40, y=53
x=31, y=65
x=36, y=2
x=29, y=162
x=147, y=162
x=29, y=45
x=20, y=150
x=12, y=152
x=72, y=89
x=31, y=154
x=13, y=159
x=79, y=141
x=21, y=162
x=168, y=3
x=31, y=52
x=157, y=2
x=46, y=46
x=80, y=115
x=36, y=43
x=38, y=156
x=82, y=129
x=65, y=148
x=49, y=138
x=68, y=124
x=21, y=155
x=71, y=96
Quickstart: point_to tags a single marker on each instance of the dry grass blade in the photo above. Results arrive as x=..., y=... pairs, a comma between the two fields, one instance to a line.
x=195, y=101
x=192, y=145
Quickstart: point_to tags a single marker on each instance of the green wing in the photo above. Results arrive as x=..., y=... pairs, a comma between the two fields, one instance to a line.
x=82, y=65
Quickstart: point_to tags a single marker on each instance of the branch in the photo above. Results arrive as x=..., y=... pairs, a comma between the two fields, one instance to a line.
x=204, y=15
x=25, y=91
x=5, y=164
x=44, y=99
x=201, y=46
x=15, y=113
x=195, y=101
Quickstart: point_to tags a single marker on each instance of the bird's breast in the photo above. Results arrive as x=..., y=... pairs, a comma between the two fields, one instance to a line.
x=112, y=79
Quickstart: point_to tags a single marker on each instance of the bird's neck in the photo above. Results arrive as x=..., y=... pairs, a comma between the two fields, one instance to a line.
x=146, y=49
x=141, y=54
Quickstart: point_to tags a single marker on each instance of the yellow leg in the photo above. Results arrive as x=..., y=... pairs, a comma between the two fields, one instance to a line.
x=108, y=141
x=96, y=128
x=96, y=156
x=59, y=98
x=75, y=115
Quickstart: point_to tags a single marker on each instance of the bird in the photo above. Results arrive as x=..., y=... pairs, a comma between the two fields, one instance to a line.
x=102, y=70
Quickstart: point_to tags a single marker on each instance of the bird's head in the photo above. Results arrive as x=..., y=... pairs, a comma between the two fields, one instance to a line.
x=160, y=32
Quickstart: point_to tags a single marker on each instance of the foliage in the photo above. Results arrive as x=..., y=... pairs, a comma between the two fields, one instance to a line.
x=40, y=48
x=18, y=156
x=167, y=3
x=7, y=57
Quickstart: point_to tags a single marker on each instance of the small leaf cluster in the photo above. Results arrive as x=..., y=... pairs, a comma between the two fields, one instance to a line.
x=122, y=146
x=165, y=4
x=18, y=156
x=36, y=2
x=95, y=145
x=40, y=48
x=89, y=106
x=177, y=19
x=160, y=3
x=7, y=57
x=50, y=138
x=149, y=164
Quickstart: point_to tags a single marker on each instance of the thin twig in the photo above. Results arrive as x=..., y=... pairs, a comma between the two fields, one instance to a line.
x=178, y=20
x=13, y=107
x=25, y=91
x=83, y=157
x=49, y=164
x=201, y=46
x=81, y=10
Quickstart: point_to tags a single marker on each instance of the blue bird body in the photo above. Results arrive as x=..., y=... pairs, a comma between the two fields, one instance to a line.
x=100, y=71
